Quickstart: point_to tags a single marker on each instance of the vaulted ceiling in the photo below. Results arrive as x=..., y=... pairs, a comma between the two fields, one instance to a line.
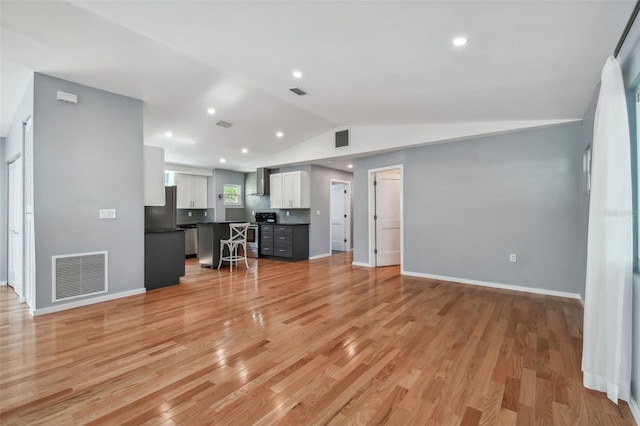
x=382, y=63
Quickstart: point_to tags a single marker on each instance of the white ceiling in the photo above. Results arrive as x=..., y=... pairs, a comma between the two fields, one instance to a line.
x=364, y=63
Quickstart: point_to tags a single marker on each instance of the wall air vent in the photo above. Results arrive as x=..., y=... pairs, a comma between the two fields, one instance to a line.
x=298, y=91
x=77, y=275
x=342, y=138
x=224, y=124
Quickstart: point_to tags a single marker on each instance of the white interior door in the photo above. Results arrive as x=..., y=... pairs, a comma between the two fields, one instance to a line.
x=16, y=216
x=387, y=218
x=338, y=217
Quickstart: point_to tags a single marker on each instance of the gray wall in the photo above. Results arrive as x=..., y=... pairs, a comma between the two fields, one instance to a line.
x=215, y=185
x=87, y=156
x=468, y=204
x=4, y=201
x=320, y=227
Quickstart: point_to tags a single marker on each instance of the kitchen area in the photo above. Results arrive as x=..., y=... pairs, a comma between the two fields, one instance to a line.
x=198, y=210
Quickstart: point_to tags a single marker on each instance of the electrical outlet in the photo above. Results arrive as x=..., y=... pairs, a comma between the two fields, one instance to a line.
x=253, y=213
x=190, y=214
x=513, y=258
x=205, y=213
x=287, y=212
x=107, y=214
x=317, y=212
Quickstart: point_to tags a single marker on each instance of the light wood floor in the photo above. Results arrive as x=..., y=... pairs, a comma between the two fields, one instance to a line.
x=301, y=343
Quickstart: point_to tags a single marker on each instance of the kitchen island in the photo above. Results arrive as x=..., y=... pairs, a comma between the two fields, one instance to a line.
x=209, y=236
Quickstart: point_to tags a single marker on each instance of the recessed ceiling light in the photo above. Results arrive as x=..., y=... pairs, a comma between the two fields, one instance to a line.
x=211, y=111
x=279, y=134
x=245, y=150
x=168, y=134
x=222, y=160
x=460, y=41
x=350, y=166
x=297, y=74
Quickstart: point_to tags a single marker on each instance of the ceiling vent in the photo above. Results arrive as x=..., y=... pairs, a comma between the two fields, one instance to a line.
x=224, y=124
x=298, y=91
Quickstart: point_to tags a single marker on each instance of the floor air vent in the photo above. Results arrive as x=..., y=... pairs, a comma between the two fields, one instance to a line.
x=77, y=275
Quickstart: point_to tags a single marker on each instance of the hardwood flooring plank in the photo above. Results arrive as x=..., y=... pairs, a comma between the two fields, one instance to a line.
x=312, y=342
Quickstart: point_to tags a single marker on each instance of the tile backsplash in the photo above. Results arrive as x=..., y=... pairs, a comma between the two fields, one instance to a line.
x=261, y=203
x=197, y=215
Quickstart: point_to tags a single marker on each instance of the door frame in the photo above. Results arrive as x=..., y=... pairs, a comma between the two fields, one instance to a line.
x=371, y=222
x=347, y=224
x=20, y=291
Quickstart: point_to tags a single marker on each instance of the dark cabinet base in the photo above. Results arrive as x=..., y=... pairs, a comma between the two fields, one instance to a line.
x=163, y=259
x=284, y=242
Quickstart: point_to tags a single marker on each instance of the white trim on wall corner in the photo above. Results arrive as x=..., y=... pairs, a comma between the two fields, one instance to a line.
x=319, y=256
x=366, y=265
x=495, y=285
x=87, y=302
x=635, y=410
x=3, y=283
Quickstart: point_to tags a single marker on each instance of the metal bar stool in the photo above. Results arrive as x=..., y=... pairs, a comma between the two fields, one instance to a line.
x=238, y=237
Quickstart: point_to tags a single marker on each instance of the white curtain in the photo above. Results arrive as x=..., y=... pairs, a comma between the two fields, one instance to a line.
x=606, y=353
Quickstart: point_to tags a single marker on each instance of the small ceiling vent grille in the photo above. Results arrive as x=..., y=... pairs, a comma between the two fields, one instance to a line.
x=224, y=124
x=298, y=91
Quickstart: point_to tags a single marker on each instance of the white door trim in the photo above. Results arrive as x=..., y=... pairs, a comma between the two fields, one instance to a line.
x=15, y=215
x=370, y=221
x=348, y=210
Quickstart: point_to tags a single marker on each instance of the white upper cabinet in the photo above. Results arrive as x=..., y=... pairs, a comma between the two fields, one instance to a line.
x=199, y=191
x=192, y=191
x=275, y=183
x=290, y=190
x=153, y=176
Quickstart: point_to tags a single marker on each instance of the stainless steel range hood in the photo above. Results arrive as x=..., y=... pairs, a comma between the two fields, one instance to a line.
x=262, y=181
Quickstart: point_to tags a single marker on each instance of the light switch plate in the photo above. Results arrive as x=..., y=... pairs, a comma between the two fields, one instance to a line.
x=107, y=213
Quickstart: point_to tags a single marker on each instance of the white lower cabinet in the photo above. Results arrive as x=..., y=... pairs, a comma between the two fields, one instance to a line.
x=290, y=190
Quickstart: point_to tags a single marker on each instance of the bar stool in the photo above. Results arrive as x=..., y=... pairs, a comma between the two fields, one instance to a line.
x=238, y=237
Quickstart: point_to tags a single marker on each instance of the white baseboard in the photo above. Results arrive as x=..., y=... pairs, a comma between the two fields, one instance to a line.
x=635, y=410
x=366, y=265
x=86, y=302
x=3, y=283
x=495, y=285
x=320, y=256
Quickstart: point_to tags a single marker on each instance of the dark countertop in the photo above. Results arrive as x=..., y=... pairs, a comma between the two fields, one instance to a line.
x=288, y=224
x=161, y=230
x=187, y=224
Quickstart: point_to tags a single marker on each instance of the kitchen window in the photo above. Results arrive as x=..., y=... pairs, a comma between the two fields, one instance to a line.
x=232, y=195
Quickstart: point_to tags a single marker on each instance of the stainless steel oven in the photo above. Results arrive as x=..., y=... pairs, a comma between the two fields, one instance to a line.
x=253, y=237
